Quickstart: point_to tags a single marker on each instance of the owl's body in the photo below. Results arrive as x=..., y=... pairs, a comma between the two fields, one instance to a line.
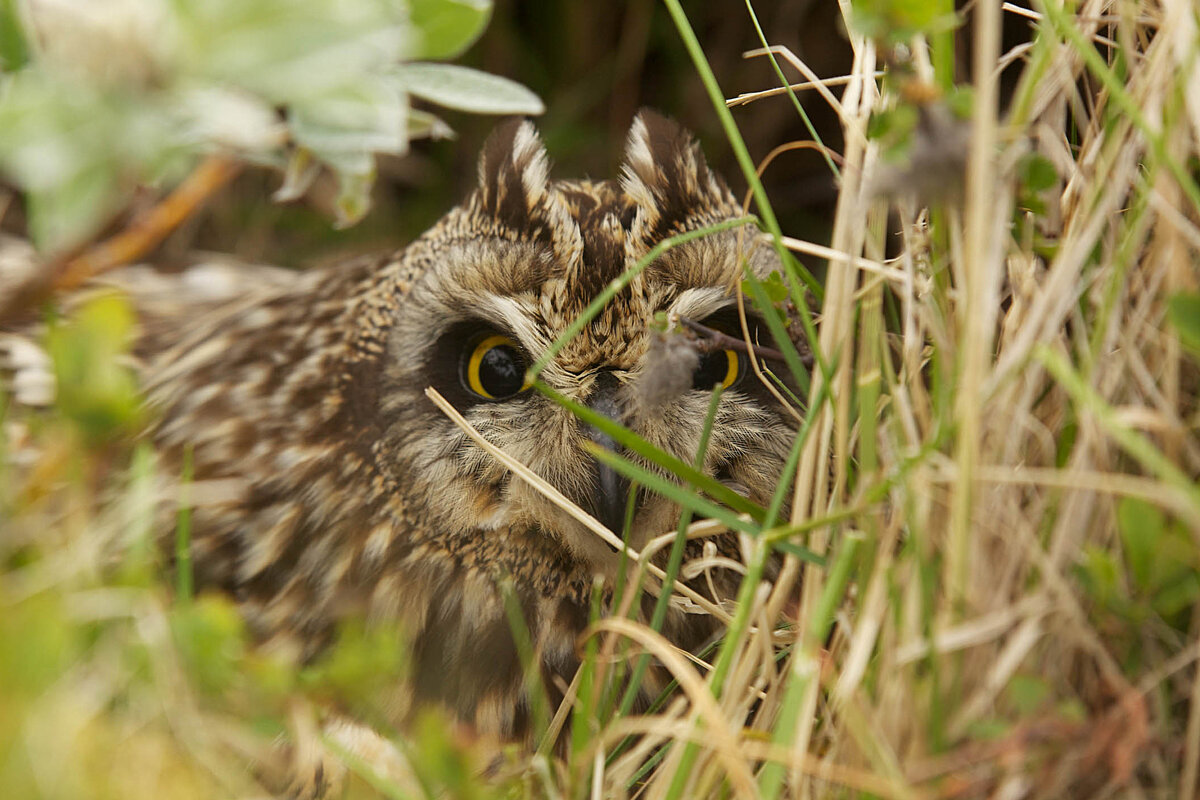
x=342, y=490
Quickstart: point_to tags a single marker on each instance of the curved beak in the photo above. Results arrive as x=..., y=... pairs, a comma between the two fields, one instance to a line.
x=611, y=489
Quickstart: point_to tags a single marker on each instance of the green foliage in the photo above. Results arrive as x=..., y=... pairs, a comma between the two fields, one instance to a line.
x=1184, y=312
x=896, y=21
x=361, y=666
x=894, y=127
x=441, y=763
x=96, y=390
x=132, y=95
x=1161, y=557
x=466, y=89
x=775, y=289
x=445, y=28
x=1036, y=175
x=1156, y=573
x=211, y=637
x=1027, y=693
x=49, y=647
x=14, y=51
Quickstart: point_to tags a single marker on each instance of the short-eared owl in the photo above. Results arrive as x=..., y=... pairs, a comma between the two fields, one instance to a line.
x=349, y=492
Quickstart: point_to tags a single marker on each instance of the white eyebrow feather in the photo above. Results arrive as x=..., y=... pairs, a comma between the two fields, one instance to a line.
x=699, y=303
x=516, y=316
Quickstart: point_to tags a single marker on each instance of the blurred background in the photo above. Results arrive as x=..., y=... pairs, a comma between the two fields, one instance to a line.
x=594, y=65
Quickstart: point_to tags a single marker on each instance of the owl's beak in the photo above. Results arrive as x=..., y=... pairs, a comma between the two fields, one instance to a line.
x=612, y=488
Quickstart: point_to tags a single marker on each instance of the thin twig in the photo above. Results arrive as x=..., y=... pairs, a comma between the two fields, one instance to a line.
x=152, y=226
x=750, y=97
x=142, y=235
x=712, y=340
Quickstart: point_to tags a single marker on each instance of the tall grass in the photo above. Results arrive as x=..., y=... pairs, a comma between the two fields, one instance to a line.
x=991, y=559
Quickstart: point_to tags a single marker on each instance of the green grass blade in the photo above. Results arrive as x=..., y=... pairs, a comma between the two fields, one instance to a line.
x=674, y=561
x=786, y=84
x=635, y=444
x=538, y=700
x=739, y=147
x=793, y=459
x=771, y=778
x=673, y=492
x=779, y=333
x=183, y=531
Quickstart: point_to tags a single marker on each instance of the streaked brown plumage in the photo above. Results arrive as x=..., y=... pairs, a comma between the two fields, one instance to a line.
x=353, y=494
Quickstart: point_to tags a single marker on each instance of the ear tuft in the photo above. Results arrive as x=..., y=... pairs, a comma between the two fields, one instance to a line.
x=513, y=171
x=665, y=173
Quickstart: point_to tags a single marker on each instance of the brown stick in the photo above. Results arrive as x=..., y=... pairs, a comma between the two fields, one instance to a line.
x=151, y=227
x=141, y=236
x=712, y=339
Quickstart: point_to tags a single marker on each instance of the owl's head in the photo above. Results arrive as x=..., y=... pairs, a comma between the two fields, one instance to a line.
x=486, y=291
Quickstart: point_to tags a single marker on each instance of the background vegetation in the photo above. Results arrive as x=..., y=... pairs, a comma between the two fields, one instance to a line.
x=994, y=492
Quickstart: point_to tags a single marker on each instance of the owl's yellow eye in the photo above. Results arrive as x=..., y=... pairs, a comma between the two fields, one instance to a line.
x=493, y=368
x=722, y=366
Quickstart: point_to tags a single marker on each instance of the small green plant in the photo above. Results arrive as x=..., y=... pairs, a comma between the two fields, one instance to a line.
x=98, y=101
x=96, y=391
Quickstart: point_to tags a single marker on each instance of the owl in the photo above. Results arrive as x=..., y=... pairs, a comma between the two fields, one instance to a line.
x=342, y=490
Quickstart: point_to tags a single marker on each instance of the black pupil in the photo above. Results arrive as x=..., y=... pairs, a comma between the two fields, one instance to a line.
x=711, y=370
x=500, y=371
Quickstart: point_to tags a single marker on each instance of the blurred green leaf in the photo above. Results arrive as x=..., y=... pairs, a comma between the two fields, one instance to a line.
x=52, y=143
x=289, y=50
x=67, y=213
x=1101, y=576
x=776, y=289
x=422, y=124
x=95, y=388
x=211, y=638
x=439, y=761
x=894, y=127
x=1162, y=556
x=1072, y=710
x=1142, y=527
x=14, y=52
x=1178, y=596
x=445, y=28
x=1183, y=310
x=961, y=100
x=365, y=117
x=466, y=89
x=989, y=729
x=1037, y=173
x=354, y=192
x=900, y=20
x=364, y=662
x=48, y=645
x=111, y=104
x=1027, y=693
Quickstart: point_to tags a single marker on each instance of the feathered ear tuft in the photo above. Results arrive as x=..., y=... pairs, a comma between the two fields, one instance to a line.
x=666, y=175
x=512, y=174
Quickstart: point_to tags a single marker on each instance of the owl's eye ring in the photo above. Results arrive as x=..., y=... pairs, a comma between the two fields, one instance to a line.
x=493, y=367
x=720, y=366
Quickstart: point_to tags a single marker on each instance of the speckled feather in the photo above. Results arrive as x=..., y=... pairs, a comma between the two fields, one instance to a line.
x=348, y=492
